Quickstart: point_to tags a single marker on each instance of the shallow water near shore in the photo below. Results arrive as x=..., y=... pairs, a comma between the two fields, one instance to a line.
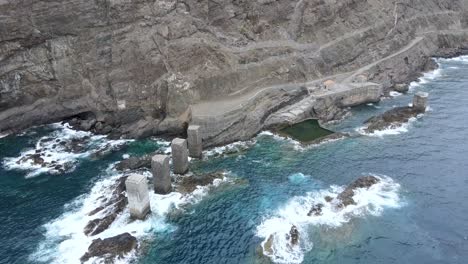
x=306, y=131
x=418, y=215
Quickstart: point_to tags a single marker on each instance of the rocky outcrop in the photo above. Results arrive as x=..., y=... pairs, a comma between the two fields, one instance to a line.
x=138, y=67
x=188, y=184
x=134, y=163
x=112, y=206
x=390, y=119
x=316, y=210
x=111, y=248
x=346, y=197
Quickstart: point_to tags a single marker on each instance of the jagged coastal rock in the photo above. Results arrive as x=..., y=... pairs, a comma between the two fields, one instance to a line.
x=397, y=116
x=134, y=163
x=137, y=69
x=112, y=206
x=346, y=197
x=111, y=248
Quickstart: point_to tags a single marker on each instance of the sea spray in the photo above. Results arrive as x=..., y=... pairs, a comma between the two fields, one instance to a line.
x=233, y=148
x=60, y=151
x=395, y=129
x=275, y=227
x=64, y=239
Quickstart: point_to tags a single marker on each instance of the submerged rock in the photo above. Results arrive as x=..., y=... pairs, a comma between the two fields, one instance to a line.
x=346, y=197
x=397, y=116
x=188, y=184
x=111, y=248
x=316, y=210
x=329, y=138
x=390, y=119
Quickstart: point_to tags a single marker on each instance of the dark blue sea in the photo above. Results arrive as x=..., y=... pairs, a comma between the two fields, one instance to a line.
x=417, y=213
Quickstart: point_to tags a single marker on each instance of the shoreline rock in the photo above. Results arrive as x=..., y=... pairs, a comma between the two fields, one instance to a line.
x=86, y=66
x=346, y=197
x=188, y=184
x=111, y=248
x=391, y=119
x=112, y=206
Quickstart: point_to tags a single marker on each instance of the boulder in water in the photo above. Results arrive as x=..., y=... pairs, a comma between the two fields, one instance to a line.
x=111, y=248
x=268, y=247
x=188, y=184
x=294, y=235
x=316, y=210
x=37, y=159
x=113, y=206
x=346, y=197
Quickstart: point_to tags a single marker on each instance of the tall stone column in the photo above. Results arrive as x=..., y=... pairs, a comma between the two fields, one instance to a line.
x=161, y=174
x=137, y=195
x=179, y=155
x=420, y=101
x=194, y=141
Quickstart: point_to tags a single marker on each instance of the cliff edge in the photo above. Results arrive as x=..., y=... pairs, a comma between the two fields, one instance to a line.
x=148, y=67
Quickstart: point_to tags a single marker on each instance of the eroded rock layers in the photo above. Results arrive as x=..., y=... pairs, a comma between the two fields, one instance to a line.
x=136, y=67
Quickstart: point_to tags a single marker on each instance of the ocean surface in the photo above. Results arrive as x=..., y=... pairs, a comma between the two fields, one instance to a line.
x=417, y=213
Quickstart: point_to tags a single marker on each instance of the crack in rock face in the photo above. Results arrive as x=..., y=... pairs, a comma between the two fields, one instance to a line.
x=140, y=67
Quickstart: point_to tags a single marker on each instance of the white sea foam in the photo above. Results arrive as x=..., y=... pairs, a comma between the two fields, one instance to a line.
x=395, y=129
x=65, y=241
x=234, y=147
x=296, y=144
x=57, y=157
x=394, y=94
x=371, y=201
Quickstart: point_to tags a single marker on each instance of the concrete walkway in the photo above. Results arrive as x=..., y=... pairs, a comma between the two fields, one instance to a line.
x=226, y=104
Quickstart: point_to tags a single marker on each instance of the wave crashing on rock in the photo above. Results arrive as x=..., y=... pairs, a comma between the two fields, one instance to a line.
x=332, y=207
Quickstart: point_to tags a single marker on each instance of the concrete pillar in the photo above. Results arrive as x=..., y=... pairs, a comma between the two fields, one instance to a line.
x=179, y=155
x=137, y=195
x=194, y=141
x=420, y=101
x=161, y=174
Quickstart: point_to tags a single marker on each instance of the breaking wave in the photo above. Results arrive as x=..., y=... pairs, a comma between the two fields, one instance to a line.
x=233, y=148
x=427, y=77
x=65, y=241
x=276, y=227
x=298, y=145
x=60, y=151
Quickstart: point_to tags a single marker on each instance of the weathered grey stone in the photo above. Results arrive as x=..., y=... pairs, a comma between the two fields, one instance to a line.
x=194, y=140
x=401, y=87
x=57, y=63
x=137, y=195
x=180, y=155
x=111, y=248
x=420, y=101
x=161, y=174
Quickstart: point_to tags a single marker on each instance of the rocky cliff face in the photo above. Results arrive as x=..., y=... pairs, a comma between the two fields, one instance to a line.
x=138, y=65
